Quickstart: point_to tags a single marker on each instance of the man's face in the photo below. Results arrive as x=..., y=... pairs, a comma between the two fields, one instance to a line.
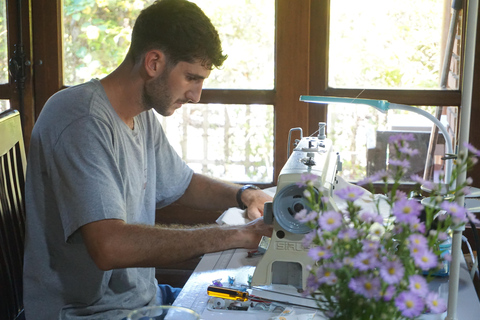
x=175, y=87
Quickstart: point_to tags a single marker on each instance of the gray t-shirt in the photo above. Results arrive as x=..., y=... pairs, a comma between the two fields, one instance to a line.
x=85, y=165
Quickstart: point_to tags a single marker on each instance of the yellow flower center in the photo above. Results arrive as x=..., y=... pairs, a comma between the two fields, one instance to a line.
x=417, y=286
x=391, y=270
x=330, y=220
x=327, y=273
x=368, y=286
x=424, y=259
x=407, y=210
x=435, y=303
x=409, y=304
x=321, y=253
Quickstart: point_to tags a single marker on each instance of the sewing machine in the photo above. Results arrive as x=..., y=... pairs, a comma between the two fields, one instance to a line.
x=285, y=260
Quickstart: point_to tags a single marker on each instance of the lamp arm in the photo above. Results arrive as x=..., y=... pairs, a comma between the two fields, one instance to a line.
x=441, y=127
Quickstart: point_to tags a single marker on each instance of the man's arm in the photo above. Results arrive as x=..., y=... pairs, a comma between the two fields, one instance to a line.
x=211, y=194
x=114, y=244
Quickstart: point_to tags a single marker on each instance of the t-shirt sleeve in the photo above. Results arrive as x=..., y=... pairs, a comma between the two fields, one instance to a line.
x=89, y=184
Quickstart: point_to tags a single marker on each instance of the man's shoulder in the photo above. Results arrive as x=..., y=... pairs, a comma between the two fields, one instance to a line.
x=75, y=104
x=76, y=93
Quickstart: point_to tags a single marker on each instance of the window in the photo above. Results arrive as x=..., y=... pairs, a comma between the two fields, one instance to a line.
x=247, y=31
x=231, y=141
x=386, y=44
x=389, y=53
x=4, y=105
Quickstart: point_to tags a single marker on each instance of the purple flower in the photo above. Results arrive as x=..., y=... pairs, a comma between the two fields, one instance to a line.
x=311, y=285
x=442, y=236
x=400, y=195
x=319, y=253
x=350, y=193
x=409, y=304
x=392, y=271
x=389, y=293
x=454, y=209
x=330, y=220
x=465, y=191
x=347, y=261
x=307, y=179
x=417, y=225
x=368, y=286
x=434, y=303
x=370, y=245
x=365, y=261
x=418, y=285
x=304, y=216
x=327, y=276
x=415, y=249
x=401, y=138
x=428, y=184
x=348, y=234
x=425, y=259
x=472, y=217
x=403, y=164
x=308, y=239
x=409, y=151
x=370, y=217
x=472, y=149
x=418, y=240
x=380, y=175
x=406, y=209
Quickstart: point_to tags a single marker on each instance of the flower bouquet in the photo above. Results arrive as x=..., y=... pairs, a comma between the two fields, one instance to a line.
x=369, y=266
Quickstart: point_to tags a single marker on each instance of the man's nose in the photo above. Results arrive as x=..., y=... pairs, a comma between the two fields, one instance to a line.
x=194, y=93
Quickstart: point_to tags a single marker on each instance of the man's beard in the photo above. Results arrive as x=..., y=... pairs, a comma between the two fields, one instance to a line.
x=156, y=95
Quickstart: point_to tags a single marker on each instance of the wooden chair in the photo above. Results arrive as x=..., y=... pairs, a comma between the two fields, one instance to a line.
x=12, y=215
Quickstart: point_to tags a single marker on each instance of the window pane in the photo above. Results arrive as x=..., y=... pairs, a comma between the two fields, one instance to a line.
x=230, y=142
x=247, y=31
x=387, y=44
x=4, y=105
x=97, y=37
x=3, y=43
x=360, y=134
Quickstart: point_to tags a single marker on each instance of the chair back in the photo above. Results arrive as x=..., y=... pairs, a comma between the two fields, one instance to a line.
x=12, y=215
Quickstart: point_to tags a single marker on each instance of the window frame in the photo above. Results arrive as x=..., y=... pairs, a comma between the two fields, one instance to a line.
x=20, y=96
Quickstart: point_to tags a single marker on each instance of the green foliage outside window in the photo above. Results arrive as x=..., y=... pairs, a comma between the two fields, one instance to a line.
x=3, y=43
x=96, y=36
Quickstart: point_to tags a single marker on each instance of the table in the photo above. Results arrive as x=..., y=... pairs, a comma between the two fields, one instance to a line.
x=235, y=263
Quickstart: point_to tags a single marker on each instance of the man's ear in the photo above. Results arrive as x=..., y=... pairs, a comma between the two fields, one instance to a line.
x=155, y=63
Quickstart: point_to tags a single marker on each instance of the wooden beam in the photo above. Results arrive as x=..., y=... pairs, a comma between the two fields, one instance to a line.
x=292, y=66
x=238, y=96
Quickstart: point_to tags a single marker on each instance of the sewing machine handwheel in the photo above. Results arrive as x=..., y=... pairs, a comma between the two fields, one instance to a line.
x=287, y=203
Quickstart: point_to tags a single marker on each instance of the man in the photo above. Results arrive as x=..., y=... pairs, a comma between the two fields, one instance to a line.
x=99, y=165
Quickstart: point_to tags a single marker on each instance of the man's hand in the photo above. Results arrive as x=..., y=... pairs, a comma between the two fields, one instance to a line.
x=253, y=232
x=255, y=200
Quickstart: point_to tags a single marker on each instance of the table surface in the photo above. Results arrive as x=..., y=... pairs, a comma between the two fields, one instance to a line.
x=235, y=263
